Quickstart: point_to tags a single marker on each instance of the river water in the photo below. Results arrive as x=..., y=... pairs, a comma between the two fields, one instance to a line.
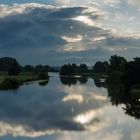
x=66, y=109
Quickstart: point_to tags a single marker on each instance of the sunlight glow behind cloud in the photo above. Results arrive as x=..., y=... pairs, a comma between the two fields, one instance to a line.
x=85, y=20
x=76, y=29
x=73, y=39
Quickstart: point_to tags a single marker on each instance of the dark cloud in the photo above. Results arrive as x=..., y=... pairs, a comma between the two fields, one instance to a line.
x=122, y=41
x=41, y=27
x=40, y=32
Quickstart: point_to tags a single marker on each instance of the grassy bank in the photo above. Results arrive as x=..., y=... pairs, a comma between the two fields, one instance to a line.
x=13, y=82
x=23, y=77
x=100, y=75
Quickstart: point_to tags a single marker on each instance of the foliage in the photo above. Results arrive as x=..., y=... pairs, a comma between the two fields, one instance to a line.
x=101, y=67
x=132, y=72
x=14, y=69
x=9, y=83
x=117, y=63
x=6, y=63
x=39, y=69
x=28, y=68
x=73, y=69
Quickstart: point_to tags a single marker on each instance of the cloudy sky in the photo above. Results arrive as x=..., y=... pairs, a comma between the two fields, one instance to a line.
x=55, y=32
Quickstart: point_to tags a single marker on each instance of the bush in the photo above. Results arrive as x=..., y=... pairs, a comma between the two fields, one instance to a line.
x=8, y=83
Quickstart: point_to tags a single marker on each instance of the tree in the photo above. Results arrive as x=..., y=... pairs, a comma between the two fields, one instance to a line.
x=131, y=74
x=6, y=63
x=68, y=69
x=83, y=68
x=28, y=68
x=117, y=63
x=14, y=69
x=98, y=67
x=40, y=68
x=105, y=66
x=73, y=69
x=101, y=67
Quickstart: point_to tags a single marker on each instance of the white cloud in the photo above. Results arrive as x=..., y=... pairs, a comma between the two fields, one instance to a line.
x=73, y=47
x=72, y=39
x=88, y=116
x=62, y=2
x=98, y=38
x=73, y=97
x=113, y=1
x=22, y=131
x=135, y=135
x=7, y=10
x=90, y=3
x=85, y=20
x=92, y=136
x=135, y=3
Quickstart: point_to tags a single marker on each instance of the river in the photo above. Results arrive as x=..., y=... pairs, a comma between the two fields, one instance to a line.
x=66, y=109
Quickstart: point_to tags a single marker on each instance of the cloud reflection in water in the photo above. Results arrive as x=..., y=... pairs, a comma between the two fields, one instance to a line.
x=62, y=112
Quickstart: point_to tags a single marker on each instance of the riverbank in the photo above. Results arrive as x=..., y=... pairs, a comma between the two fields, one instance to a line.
x=14, y=81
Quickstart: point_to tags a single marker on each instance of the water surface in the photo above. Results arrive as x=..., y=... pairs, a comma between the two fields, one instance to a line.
x=66, y=109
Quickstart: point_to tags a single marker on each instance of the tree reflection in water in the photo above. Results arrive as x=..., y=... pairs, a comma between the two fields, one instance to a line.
x=119, y=94
x=72, y=80
x=44, y=83
x=99, y=82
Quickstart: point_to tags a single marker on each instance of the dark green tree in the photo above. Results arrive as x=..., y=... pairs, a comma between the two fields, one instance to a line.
x=101, y=67
x=6, y=63
x=41, y=69
x=98, y=67
x=28, y=68
x=83, y=68
x=14, y=69
x=131, y=74
x=69, y=69
x=117, y=63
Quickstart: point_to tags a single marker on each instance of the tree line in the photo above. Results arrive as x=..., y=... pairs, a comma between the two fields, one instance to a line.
x=12, y=67
x=73, y=69
x=118, y=69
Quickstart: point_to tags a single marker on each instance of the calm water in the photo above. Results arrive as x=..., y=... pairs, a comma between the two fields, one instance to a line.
x=67, y=109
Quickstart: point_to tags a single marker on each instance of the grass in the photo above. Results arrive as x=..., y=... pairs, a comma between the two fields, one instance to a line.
x=100, y=75
x=23, y=77
x=9, y=81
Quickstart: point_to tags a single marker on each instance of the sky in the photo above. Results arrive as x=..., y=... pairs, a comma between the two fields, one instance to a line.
x=55, y=32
